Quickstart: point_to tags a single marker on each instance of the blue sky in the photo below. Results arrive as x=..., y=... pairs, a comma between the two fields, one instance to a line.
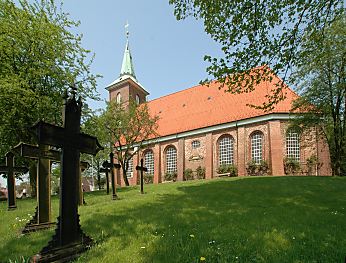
x=167, y=54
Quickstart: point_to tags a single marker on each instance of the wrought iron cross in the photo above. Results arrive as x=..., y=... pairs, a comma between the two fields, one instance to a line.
x=10, y=169
x=142, y=169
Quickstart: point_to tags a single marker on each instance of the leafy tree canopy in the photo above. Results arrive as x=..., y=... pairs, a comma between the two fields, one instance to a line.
x=39, y=59
x=257, y=33
x=321, y=79
x=128, y=125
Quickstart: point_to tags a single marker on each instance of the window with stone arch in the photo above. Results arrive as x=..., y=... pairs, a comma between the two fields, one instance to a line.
x=293, y=143
x=225, y=147
x=257, y=147
x=171, y=160
x=149, y=161
x=118, y=98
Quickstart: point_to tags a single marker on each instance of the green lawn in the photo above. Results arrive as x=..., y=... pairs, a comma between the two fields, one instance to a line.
x=268, y=219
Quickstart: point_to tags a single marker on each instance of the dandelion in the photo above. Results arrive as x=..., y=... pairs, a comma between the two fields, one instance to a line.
x=192, y=235
x=202, y=259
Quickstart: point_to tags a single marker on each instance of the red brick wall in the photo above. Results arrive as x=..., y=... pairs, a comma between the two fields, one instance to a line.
x=274, y=150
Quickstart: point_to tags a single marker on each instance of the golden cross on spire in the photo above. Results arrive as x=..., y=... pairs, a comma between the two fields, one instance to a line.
x=127, y=29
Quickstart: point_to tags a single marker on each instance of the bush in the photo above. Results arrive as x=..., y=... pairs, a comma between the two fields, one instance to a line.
x=171, y=176
x=255, y=169
x=200, y=172
x=188, y=174
x=291, y=166
x=230, y=169
x=148, y=178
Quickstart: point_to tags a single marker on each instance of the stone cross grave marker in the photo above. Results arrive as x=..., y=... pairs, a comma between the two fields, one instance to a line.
x=142, y=169
x=105, y=169
x=111, y=165
x=69, y=239
x=10, y=169
x=42, y=216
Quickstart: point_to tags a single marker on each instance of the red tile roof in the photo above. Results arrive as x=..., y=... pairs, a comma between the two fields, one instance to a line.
x=203, y=106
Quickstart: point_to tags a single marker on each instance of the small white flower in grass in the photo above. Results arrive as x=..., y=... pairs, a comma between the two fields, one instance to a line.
x=17, y=218
x=236, y=257
x=142, y=247
x=293, y=238
x=192, y=235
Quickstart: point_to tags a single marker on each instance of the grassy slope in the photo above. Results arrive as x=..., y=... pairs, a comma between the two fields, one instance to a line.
x=270, y=219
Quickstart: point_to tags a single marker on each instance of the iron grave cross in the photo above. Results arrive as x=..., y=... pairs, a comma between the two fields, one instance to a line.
x=69, y=239
x=105, y=169
x=42, y=217
x=142, y=169
x=10, y=169
x=111, y=165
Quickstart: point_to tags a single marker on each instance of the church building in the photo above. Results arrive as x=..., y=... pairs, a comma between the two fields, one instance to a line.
x=205, y=132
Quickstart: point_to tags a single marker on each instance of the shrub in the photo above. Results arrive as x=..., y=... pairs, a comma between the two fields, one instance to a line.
x=231, y=169
x=200, y=172
x=171, y=176
x=291, y=166
x=313, y=164
x=255, y=169
x=148, y=178
x=188, y=174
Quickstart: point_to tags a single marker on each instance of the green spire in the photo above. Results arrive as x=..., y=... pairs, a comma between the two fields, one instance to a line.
x=127, y=66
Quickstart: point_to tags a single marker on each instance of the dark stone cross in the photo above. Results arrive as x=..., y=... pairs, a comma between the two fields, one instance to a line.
x=111, y=165
x=142, y=169
x=69, y=239
x=10, y=169
x=105, y=169
x=42, y=216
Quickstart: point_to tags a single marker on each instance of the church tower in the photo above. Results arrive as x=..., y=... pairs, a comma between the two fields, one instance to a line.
x=126, y=86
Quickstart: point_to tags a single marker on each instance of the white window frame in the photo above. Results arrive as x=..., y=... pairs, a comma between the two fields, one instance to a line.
x=171, y=159
x=225, y=150
x=257, y=147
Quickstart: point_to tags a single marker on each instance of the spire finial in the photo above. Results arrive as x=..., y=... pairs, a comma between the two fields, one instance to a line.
x=127, y=30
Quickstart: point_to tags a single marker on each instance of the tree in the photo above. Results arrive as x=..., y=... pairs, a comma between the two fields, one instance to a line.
x=129, y=126
x=93, y=125
x=257, y=33
x=39, y=58
x=322, y=81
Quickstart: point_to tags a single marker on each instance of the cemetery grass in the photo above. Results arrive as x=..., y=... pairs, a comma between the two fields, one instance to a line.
x=267, y=219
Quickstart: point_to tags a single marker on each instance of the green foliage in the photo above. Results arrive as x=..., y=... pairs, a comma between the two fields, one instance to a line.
x=188, y=174
x=256, y=33
x=171, y=176
x=321, y=77
x=143, y=228
x=127, y=126
x=148, y=178
x=257, y=169
x=230, y=169
x=200, y=172
x=291, y=166
x=39, y=58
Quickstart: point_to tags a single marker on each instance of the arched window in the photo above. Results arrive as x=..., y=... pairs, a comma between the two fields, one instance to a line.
x=171, y=160
x=129, y=172
x=226, y=150
x=118, y=98
x=257, y=147
x=137, y=99
x=149, y=161
x=293, y=144
x=195, y=144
